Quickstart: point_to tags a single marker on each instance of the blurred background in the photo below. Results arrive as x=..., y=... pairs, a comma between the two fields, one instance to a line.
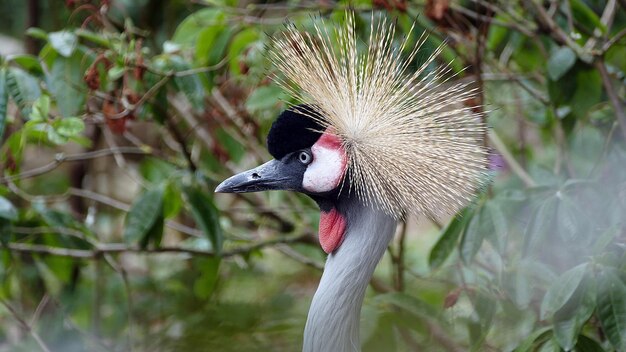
x=118, y=118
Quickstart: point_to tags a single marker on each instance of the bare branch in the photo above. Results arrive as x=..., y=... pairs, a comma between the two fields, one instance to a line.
x=61, y=158
x=25, y=325
x=117, y=248
x=510, y=160
x=615, y=100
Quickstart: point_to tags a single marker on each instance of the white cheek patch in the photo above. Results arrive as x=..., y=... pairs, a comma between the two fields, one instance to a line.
x=327, y=168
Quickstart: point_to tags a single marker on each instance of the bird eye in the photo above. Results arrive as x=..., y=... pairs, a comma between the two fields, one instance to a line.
x=305, y=157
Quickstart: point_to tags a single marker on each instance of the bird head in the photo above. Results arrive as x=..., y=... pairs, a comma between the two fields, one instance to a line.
x=308, y=158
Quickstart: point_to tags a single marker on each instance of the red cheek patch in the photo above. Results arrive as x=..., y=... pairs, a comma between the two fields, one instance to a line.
x=332, y=229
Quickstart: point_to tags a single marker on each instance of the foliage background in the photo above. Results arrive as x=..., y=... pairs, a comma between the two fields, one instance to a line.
x=120, y=117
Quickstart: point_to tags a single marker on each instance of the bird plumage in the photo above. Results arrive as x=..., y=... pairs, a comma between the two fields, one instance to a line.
x=412, y=146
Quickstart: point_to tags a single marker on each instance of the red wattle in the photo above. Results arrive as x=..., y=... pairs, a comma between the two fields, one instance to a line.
x=332, y=228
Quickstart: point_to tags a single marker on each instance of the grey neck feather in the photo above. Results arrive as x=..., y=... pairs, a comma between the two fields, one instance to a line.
x=333, y=320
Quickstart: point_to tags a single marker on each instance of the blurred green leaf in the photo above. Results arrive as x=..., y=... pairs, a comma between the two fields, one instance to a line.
x=550, y=345
x=560, y=62
x=190, y=85
x=583, y=14
x=172, y=201
x=537, y=337
x=236, y=151
x=588, y=91
x=190, y=28
x=23, y=88
x=237, y=47
x=4, y=101
x=93, y=37
x=612, y=307
x=7, y=209
x=569, y=319
x=585, y=344
x=156, y=170
x=207, y=38
x=37, y=33
x=448, y=239
x=41, y=109
x=205, y=214
x=69, y=126
x=541, y=223
x=562, y=289
x=473, y=235
x=143, y=215
x=116, y=72
x=64, y=42
x=204, y=285
x=264, y=98
x=65, y=81
x=28, y=62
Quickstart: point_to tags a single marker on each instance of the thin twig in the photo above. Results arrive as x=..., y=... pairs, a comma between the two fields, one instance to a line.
x=118, y=248
x=25, y=325
x=510, y=160
x=61, y=158
x=615, y=100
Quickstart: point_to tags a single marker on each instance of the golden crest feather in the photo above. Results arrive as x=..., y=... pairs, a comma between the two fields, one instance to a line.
x=412, y=146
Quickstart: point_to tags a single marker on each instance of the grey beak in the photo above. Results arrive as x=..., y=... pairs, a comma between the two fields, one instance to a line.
x=269, y=176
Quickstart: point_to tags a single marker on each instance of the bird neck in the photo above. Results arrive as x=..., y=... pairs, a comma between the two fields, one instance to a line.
x=333, y=320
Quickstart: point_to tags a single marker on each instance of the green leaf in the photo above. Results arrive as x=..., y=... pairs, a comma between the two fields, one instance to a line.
x=534, y=339
x=238, y=45
x=41, y=109
x=204, y=286
x=69, y=126
x=65, y=80
x=37, y=33
x=54, y=137
x=116, y=72
x=190, y=28
x=583, y=14
x=550, y=346
x=569, y=320
x=561, y=290
x=588, y=91
x=541, y=223
x=206, y=215
x=473, y=235
x=236, y=151
x=485, y=309
x=560, y=62
x=207, y=38
x=156, y=170
x=605, y=239
x=4, y=101
x=612, y=307
x=143, y=215
x=93, y=37
x=264, y=98
x=585, y=344
x=448, y=239
x=28, y=62
x=64, y=42
x=172, y=201
x=7, y=209
x=23, y=88
x=190, y=85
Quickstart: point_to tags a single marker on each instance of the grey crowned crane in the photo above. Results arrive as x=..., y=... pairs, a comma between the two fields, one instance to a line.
x=373, y=142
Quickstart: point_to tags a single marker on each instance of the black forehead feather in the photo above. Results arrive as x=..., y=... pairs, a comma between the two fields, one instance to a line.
x=293, y=130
